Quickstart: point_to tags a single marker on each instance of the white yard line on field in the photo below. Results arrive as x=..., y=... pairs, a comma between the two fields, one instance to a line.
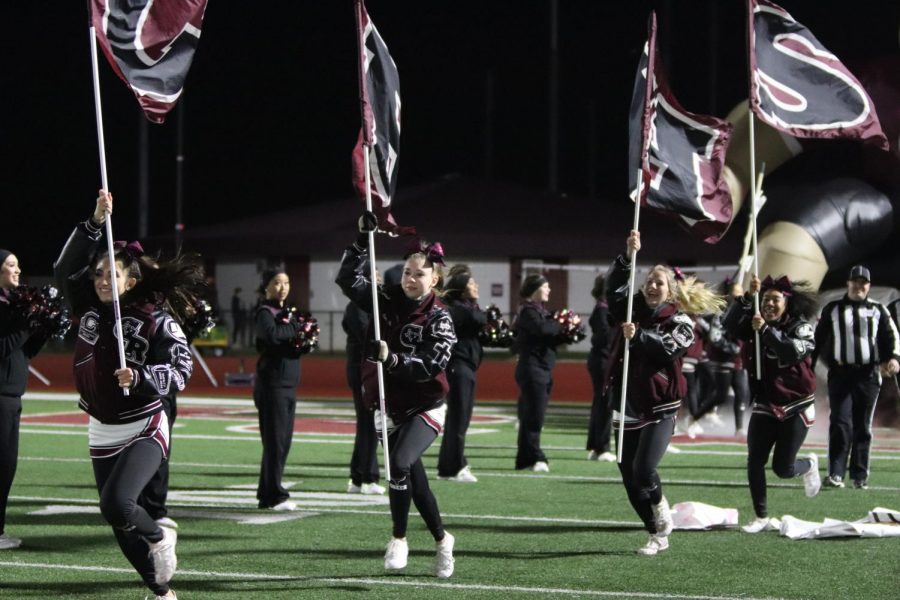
x=300, y=469
x=391, y=582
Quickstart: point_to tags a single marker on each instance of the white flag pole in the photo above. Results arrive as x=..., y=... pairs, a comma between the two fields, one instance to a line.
x=376, y=319
x=105, y=184
x=755, y=245
x=746, y=258
x=204, y=366
x=40, y=376
x=628, y=310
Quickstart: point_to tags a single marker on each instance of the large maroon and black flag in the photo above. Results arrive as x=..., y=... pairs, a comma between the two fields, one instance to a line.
x=379, y=99
x=150, y=45
x=681, y=155
x=799, y=87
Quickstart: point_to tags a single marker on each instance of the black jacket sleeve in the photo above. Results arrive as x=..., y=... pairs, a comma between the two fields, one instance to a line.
x=790, y=346
x=736, y=321
x=823, y=335
x=171, y=366
x=539, y=327
x=468, y=319
x=72, y=269
x=887, y=338
x=353, y=279
x=666, y=342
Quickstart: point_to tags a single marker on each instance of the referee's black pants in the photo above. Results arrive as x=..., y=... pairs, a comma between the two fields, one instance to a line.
x=852, y=394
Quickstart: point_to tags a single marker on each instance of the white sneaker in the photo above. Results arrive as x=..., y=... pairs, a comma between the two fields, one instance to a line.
x=285, y=506
x=607, y=457
x=673, y=449
x=464, y=476
x=167, y=522
x=352, y=488
x=397, y=554
x=593, y=455
x=170, y=595
x=694, y=429
x=714, y=419
x=655, y=545
x=762, y=524
x=812, y=482
x=8, y=543
x=741, y=433
x=163, y=554
x=540, y=467
x=663, y=518
x=371, y=489
x=443, y=564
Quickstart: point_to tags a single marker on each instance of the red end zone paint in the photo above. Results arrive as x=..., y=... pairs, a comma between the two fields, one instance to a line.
x=301, y=424
x=325, y=377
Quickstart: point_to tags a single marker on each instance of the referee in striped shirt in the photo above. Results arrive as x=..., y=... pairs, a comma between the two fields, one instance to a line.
x=858, y=342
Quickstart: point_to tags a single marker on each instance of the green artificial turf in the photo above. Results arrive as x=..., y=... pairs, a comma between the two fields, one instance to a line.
x=567, y=534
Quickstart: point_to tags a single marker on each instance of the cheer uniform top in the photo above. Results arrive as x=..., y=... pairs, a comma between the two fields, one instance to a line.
x=420, y=337
x=656, y=384
x=788, y=383
x=156, y=351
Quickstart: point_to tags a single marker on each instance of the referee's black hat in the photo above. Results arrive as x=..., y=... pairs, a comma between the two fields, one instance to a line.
x=859, y=272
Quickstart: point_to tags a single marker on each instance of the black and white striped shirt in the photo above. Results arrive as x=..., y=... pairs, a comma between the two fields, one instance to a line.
x=856, y=333
x=894, y=311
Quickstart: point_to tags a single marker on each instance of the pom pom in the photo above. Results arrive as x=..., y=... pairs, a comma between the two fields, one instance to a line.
x=307, y=338
x=572, y=327
x=496, y=332
x=201, y=321
x=306, y=329
x=41, y=309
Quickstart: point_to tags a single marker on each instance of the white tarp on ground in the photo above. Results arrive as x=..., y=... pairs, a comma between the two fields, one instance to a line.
x=696, y=515
x=880, y=522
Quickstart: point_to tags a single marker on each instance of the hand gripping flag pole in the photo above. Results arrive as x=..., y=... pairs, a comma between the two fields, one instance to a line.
x=117, y=312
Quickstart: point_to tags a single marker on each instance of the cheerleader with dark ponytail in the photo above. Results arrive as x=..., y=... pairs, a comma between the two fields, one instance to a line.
x=784, y=398
x=129, y=434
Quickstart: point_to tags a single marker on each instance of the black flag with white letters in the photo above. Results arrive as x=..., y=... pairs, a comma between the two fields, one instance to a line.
x=680, y=154
x=799, y=87
x=379, y=99
x=150, y=45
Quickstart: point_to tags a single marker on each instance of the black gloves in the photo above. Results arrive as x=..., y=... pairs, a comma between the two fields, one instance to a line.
x=368, y=222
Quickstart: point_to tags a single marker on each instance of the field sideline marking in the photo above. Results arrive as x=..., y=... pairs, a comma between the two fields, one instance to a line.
x=391, y=582
x=299, y=469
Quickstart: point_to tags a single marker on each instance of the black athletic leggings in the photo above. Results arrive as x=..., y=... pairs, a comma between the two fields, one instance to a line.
x=642, y=451
x=120, y=480
x=409, y=482
x=764, y=433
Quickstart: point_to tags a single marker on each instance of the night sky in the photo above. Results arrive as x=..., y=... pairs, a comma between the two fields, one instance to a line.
x=271, y=107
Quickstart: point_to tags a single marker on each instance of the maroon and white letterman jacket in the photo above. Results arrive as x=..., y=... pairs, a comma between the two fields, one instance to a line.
x=156, y=349
x=419, y=335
